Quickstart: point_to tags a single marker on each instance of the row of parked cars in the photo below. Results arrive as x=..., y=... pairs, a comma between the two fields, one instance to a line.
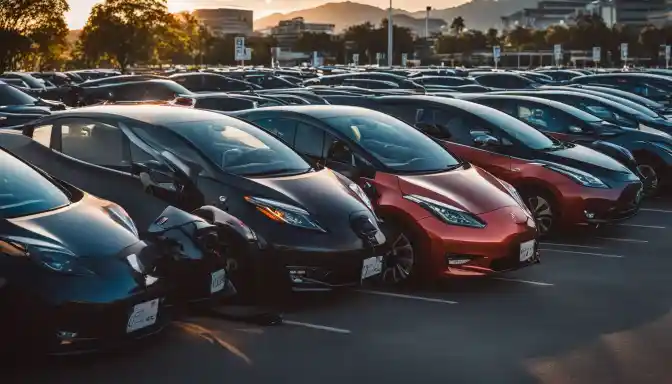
x=120, y=212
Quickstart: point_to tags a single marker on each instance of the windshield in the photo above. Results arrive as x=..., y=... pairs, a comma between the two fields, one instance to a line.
x=394, y=143
x=24, y=191
x=241, y=148
x=12, y=96
x=520, y=131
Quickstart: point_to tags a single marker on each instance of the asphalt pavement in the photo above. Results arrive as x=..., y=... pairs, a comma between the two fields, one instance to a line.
x=596, y=310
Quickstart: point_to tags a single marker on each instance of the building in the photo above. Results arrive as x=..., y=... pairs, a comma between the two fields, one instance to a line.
x=606, y=9
x=226, y=21
x=546, y=13
x=663, y=17
x=288, y=32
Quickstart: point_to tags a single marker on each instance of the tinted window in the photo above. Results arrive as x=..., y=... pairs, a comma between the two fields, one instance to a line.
x=93, y=142
x=309, y=140
x=241, y=148
x=12, y=96
x=42, y=135
x=394, y=143
x=224, y=104
x=24, y=191
x=193, y=83
x=518, y=130
x=543, y=117
x=456, y=126
x=284, y=129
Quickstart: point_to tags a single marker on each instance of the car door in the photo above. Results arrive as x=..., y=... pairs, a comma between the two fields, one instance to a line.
x=95, y=156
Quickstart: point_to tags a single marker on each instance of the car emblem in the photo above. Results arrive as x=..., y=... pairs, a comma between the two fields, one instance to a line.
x=161, y=220
x=514, y=217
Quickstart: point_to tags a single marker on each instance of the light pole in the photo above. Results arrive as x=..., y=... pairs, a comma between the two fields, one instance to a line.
x=389, y=36
x=427, y=23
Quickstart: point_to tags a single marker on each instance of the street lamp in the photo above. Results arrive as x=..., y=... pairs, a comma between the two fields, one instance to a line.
x=389, y=36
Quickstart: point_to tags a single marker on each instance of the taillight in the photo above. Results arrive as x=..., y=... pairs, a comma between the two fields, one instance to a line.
x=184, y=102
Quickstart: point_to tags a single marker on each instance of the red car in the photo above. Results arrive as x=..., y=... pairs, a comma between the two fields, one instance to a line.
x=563, y=184
x=442, y=216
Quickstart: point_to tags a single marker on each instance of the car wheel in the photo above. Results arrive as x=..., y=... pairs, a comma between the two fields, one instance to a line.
x=543, y=211
x=649, y=173
x=400, y=262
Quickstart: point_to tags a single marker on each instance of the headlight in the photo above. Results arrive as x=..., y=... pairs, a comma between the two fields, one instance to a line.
x=579, y=176
x=664, y=146
x=58, y=260
x=284, y=213
x=119, y=215
x=514, y=193
x=362, y=196
x=447, y=213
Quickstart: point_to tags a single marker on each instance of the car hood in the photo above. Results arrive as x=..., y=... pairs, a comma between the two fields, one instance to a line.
x=85, y=228
x=469, y=188
x=588, y=160
x=323, y=193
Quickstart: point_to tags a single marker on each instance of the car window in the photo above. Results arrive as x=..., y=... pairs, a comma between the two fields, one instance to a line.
x=93, y=142
x=543, y=117
x=241, y=148
x=24, y=191
x=309, y=140
x=42, y=135
x=224, y=104
x=284, y=129
x=607, y=114
x=394, y=143
x=12, y=96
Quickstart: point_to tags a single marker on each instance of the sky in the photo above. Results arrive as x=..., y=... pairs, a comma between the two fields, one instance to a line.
x=80, y=9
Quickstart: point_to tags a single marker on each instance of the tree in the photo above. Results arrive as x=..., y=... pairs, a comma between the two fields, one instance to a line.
x=519, y=37
x=362, y=35
x=557, y=34
x=30, y=27
x=126, y=30
x=457, y=26
x=650, y=39
x=492, y=37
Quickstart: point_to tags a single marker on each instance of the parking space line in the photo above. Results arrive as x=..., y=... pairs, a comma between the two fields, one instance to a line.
x=583, y=253
x=571, y=245
x=623, y=240
x=641, y=226
x=523, y=281
x=316, y=326
x=655, y=210
x=410, y=297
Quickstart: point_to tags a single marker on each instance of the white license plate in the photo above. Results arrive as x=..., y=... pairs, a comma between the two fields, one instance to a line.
x=217, y=281
x=527, y=250
x=144, y=315
x=372, y=266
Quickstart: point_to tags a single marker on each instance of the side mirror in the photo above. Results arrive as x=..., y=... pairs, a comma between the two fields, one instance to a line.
x=154, y=174
x=575, y=129
x=484, y=140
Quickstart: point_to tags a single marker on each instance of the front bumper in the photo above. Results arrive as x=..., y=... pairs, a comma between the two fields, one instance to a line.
x=460, y=251
x=600, y=206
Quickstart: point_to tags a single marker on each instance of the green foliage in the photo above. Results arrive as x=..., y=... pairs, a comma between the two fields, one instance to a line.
x=32, y=32
x=127, y=31
x=370, y=40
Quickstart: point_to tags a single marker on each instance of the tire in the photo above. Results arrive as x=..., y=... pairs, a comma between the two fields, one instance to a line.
x=401, y=264
x=650, y=170
x=543, y=208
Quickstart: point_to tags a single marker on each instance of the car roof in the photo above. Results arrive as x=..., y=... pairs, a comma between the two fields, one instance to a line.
x=150, y=114
x=319, y=111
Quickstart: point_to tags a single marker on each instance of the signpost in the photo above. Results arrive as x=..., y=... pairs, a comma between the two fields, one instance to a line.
x=355, y=59
x=315, y=63
x=667, y=56
x=378, y=57
x=597, y=55
x=239, y=49
x=496, y=54
x=248, y=54
x=404, y=60
x=624, y=53
x=275, y=57
x=557, y=52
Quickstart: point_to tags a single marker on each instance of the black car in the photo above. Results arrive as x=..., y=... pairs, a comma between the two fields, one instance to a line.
x=223, y=101
x=146, y=90
x=648, y=103
x=560, y=75
x=504, y=80
x=655, y=87
x=402, y=81
x=450, y=81
x=211, y=82
x=608, y=110
x=70, y=266
x=317, y=227
x=651, y=148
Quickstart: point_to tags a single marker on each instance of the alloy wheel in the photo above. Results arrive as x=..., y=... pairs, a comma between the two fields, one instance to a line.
x=542, y=211
x=650, y=178
x=400, y=260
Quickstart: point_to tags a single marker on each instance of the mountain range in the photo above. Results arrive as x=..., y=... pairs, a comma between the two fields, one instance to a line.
x=478, y=14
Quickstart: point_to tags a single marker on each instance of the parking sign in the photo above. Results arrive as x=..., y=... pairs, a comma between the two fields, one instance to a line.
x=624, y=51
x=404, y=59
x=667, y=52
x=355, y=58
x=557, y=52
x=239, y=48
x=597, y=54
x=497, y=52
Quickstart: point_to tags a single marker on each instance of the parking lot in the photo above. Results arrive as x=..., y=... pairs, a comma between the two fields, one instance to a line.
x=597, y=309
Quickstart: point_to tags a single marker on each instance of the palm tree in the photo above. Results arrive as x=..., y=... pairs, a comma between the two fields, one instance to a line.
x=457, y=26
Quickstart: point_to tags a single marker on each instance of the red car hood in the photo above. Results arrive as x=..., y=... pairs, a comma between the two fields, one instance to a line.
x=472, y=189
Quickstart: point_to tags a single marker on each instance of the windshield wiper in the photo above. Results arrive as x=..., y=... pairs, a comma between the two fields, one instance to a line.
x=277, y=172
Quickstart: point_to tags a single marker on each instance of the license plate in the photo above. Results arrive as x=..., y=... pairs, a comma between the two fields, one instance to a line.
x=527, y=250
x=144, y=315
x=217, y=281
x=372, y=266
